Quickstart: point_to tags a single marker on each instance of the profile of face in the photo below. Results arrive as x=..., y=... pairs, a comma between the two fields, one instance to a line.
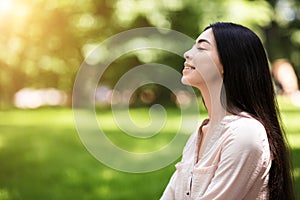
x=202, y=66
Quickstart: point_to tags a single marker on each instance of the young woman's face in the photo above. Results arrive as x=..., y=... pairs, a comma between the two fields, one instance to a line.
x=202, y=65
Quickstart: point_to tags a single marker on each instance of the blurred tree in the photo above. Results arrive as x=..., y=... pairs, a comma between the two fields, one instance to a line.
x=43, y=42
x=283, y=33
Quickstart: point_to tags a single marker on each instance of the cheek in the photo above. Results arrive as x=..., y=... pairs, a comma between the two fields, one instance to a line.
x=218, y=64
x=208, y=68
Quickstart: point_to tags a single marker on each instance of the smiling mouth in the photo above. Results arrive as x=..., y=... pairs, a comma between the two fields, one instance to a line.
x=187, y=66
x=190, y=68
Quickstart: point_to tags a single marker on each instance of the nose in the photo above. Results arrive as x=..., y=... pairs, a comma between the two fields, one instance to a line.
x=187, y=55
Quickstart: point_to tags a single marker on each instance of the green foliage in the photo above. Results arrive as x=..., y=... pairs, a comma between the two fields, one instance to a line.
x=44, y=42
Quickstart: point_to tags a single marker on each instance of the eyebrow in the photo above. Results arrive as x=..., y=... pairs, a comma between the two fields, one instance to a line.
x=203, y=40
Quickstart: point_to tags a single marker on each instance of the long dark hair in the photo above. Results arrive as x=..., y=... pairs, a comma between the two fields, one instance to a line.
x=248, y=87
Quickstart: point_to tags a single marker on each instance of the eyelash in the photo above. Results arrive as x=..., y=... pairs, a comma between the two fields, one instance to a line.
x=200, y=48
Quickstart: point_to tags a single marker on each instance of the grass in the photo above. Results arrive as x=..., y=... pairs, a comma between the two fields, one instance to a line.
x=290, y=117
x=43, y=158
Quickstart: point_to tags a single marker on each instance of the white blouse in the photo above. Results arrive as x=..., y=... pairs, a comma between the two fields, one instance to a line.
x=233, y=163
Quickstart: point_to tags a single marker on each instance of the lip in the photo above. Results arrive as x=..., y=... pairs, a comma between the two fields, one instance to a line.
x=188, y=67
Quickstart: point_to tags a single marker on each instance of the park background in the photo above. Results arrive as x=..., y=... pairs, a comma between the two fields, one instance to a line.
x=42, y=46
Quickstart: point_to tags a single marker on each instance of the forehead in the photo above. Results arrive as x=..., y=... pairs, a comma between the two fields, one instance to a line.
x=207, y=35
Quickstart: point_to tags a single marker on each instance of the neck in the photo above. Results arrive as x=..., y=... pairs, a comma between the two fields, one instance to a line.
x=212, y=100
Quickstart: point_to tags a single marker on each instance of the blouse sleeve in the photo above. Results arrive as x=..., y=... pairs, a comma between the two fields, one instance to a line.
x=241, y=164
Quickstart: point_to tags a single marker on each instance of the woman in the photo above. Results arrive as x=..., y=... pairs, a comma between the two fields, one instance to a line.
x=239, y=152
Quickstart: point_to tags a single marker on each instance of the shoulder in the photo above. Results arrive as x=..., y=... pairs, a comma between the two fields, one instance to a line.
x=246, y=133
x=246, y=126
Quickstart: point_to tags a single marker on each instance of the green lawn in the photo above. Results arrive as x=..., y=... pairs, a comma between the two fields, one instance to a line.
x=42, y=157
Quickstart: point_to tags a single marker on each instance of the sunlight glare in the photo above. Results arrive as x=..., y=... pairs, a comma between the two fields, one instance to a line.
x=6, y=6
x=12, y=8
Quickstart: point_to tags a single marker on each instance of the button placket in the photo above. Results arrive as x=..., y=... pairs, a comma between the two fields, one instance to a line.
x=188, y=192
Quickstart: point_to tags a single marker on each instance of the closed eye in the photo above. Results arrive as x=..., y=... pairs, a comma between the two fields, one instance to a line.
x=201, y=49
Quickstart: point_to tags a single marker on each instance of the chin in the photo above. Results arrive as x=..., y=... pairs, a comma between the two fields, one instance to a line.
x=184, y=81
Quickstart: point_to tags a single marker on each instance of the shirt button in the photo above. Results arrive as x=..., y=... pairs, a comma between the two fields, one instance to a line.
x=187, y=193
